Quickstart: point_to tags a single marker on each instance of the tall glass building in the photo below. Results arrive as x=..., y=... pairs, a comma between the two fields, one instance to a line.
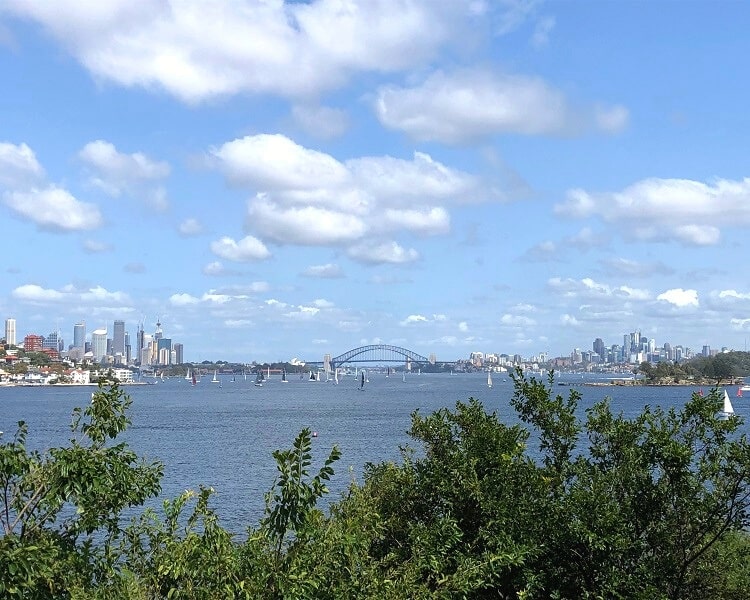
x=118, y=339
x=79, y=335
x=99, y=343
x=10, y=332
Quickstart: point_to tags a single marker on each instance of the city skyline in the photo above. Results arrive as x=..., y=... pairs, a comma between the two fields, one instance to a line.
x=290, y=179
x=635, y=348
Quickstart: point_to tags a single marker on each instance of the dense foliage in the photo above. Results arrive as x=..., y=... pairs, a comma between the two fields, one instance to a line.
x=554, y=507
x=721, y=368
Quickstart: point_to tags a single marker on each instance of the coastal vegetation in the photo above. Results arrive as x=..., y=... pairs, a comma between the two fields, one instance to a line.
x=721, y=368
x=552, y=506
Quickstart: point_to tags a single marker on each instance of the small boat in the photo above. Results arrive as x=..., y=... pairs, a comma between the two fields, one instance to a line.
x=336, y=376
x=283, y=377
x=187, y=375
x=745, y=388
x=727, y=409
x=215, y=379
x=194, y=381
x=259, y=379
x=489, y=379
x=362, y=380
x=312, y=376
x=403, y=376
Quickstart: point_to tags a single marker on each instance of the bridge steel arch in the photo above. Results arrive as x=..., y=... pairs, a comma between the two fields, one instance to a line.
x=378, y=353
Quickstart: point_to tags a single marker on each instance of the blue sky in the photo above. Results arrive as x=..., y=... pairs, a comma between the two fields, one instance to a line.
x=285, y=179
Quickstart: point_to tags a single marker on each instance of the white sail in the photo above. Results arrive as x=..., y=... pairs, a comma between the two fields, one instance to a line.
x=336, y=376
x=728, y=408
x=489, y=379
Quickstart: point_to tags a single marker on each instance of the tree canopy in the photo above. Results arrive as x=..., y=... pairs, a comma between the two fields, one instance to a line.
x=555, y=506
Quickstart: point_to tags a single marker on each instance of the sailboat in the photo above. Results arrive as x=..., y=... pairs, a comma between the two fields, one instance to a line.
x=194, y=381
x=283, y=377
x=728, y=409
x=403, y=376
x=215, y=379
x=312, y=376
x=489, y=379
x=362, y=381
x=336, y=376
x=187, y=375
x=259, y=379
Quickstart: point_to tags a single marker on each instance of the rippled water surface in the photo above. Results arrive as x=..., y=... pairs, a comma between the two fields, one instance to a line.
x=223, y=435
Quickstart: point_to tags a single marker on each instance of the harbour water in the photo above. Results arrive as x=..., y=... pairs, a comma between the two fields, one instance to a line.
x=222, y=435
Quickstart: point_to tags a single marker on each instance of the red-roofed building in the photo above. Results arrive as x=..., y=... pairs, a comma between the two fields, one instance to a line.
x=33, y=342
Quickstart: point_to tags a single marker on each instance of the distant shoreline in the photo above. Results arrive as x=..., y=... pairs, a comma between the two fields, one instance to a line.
x=92, y=384
x=642, y=383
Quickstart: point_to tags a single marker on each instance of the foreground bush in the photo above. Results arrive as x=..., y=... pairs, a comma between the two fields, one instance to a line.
x=601, y=507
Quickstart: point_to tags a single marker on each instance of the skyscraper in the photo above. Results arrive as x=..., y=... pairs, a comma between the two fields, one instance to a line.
x=10, y=332
x=79, y=335
x=99, y=343
x=163, y=350
x=118, y=340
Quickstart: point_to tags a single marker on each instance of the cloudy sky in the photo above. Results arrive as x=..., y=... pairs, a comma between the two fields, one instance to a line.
x=285, y=179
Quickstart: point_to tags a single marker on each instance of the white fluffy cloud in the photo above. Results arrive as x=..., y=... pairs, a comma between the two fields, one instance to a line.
x=517, y=320
x=54, y=208
x=36, y=293
x=587, y=288
x=386, y=252
x=679, y=297
x=245, y=250
x=305, y=226
x=190, y=227
x=307, y=197
x=429, y=221
x=117, y=173
x=274, y=162
x=454, y=107
x=19, y=167
x=390, y=179
x=96, y=296
x=691, y=212
x=23, y=189
x=411, y=319
x=118, y=170
x=197, y=50
x=326, y=271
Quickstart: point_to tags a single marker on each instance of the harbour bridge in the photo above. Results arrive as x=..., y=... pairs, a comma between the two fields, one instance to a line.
x=376, y=353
